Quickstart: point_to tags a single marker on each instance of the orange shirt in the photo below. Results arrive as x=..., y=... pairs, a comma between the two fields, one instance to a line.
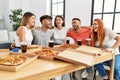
x=83, y=34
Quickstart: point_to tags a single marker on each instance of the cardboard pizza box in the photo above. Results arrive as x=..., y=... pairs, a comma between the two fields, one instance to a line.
x=30, y=59
x=31, y=50
x=4, y=52
x=47, y=54
x=76, y=57
x=89, y=50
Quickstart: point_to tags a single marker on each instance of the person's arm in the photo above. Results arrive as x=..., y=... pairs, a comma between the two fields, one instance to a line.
x=114, y=36
x=117, y=43
x=12, y=45
x=38, y=27
x=21, y=34
x=70, y=29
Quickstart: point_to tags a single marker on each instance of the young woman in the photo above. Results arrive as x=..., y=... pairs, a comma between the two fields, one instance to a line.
x=23, y=33
x=105, y=38
x=59, y=36
x=60, y=30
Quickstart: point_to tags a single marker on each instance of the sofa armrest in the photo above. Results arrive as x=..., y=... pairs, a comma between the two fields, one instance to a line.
x=5, y=45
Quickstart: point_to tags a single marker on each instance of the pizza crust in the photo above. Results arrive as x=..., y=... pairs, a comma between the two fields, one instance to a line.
x=12, y=60
x=47, y=52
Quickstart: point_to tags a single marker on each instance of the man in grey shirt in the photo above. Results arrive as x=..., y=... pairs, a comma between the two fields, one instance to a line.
x=43, y=34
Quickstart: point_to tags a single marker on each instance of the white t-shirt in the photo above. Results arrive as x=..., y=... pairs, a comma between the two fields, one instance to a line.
x=28, y=37
x=60, y=35
x=109, y=39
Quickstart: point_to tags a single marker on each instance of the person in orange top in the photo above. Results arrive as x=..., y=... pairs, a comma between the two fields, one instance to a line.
x=79, y=32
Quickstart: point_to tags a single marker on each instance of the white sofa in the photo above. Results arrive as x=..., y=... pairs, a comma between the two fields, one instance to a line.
x=6, y=37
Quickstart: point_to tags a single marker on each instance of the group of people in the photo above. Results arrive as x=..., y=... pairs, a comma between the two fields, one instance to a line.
x=101, y=37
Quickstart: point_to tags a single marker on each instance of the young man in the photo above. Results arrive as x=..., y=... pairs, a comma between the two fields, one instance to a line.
x=78, y=32
x=42, y=35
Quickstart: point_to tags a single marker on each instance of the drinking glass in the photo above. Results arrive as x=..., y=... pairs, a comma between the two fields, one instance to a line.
x=23, y=46
x=88, y=41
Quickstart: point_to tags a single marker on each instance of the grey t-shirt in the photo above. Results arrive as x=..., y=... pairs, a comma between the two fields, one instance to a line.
x=41, y=37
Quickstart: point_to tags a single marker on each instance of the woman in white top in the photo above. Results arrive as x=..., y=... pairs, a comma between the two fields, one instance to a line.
x=60, y=30
x=23, y=33
x=106, y=38
x=59, y=35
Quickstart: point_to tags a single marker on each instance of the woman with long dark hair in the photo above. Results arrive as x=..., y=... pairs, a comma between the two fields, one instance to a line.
x=60, y=30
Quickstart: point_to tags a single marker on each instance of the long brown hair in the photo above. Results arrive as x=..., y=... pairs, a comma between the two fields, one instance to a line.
x=99, y=35
x=25, y=18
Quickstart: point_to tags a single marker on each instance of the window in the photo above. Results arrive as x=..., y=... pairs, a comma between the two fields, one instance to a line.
x=57, y=8
x=108, y=11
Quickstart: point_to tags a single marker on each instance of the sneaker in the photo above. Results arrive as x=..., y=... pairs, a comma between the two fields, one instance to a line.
x=97, y=73
x=84, y=74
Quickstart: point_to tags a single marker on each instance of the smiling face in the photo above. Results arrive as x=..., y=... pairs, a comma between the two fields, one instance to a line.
x=59, y=21
x=75, y=24
x=31, y=21
x=95, y=26
x=47, y=23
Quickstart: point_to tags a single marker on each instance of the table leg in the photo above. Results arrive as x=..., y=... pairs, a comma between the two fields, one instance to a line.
x=94, y=77
x=112, y=68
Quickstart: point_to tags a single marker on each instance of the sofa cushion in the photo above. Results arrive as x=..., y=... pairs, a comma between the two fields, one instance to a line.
x=4, y=36
x=11, y=35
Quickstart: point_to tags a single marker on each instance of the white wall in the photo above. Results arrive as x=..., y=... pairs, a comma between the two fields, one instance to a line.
x=38, y=7
x=5, y=13
x=79, y=9
x=15, y=4
x=5, y=7
x=1, y=16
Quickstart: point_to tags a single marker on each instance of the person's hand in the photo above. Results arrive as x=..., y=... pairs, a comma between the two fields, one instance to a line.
x=37, y=27
x=13, y=45
x=32, y=46
x=70, y=29
x=109, y=50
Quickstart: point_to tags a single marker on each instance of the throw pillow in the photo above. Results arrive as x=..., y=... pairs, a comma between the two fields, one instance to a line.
x=12, y=36
x=4, y=36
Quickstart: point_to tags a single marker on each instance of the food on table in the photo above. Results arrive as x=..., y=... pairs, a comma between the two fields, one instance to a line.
x=71, y=46
x=12, y=60
x=47, y=52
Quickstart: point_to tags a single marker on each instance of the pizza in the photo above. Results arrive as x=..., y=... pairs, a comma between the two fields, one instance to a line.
x=71, y=46
x=12, y=60
x=47, y=52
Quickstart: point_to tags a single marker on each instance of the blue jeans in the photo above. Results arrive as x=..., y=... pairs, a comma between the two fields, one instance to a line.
x=117, y=67
x=102, y=71
x=89, y=69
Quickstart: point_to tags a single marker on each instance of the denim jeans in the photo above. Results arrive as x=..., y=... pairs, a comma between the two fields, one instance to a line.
x=89, y=70
x=117, y=67
x=102, y=71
